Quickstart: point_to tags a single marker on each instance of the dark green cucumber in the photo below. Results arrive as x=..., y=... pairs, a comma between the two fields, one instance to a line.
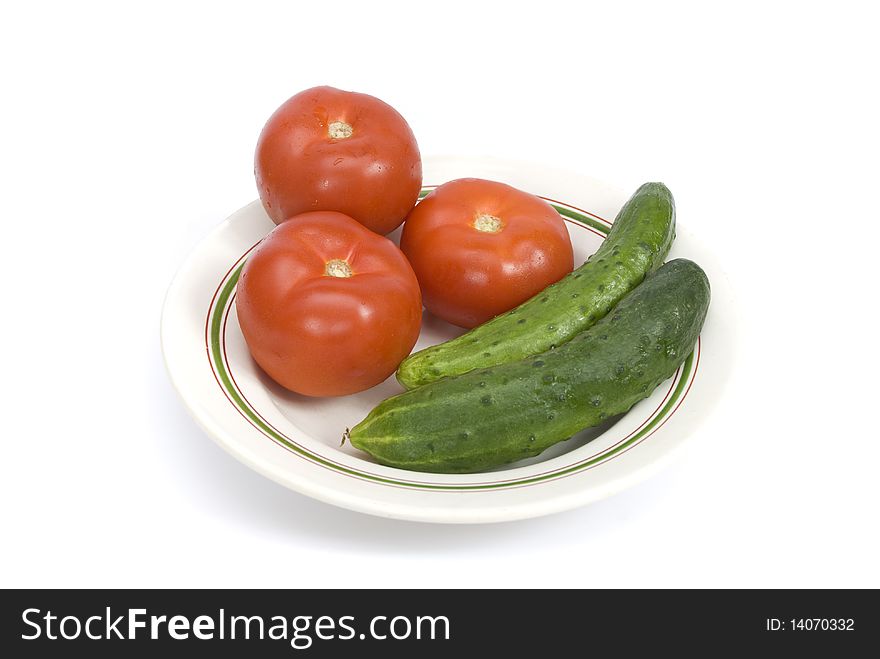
x=496, y=415
x=637, y=244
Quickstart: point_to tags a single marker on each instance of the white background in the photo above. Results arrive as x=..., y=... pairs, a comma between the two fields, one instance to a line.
x=128, y=134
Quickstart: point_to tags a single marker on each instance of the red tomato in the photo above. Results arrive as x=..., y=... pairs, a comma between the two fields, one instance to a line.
x=480, y=248
x=327, y=149
x=327, y=307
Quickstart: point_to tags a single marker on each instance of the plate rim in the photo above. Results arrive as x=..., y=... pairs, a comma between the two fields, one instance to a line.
x=340, y=497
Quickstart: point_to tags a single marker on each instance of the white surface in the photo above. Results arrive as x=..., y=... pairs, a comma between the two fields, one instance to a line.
x=128, y=135
x=299, y=443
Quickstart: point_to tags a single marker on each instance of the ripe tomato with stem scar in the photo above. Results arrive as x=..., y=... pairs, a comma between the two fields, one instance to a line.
x=480, y=248
x=328, y=149
x=327, y=307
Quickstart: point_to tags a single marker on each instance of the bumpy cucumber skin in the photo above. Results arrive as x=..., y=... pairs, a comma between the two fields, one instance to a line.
x=637, y=244
x=496, y=415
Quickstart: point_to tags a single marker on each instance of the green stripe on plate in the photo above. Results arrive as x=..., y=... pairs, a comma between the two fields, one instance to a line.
x=238, y=400
x=580, y=218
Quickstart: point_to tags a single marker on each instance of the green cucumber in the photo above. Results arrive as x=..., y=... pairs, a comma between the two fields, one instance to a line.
x=637, y=244
x=496, y=415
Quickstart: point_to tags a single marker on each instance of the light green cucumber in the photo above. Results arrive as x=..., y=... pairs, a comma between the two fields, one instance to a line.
x=637, y=244
x=492, y=416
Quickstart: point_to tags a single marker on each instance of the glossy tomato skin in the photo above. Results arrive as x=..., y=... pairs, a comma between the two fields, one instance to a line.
x=323, y=335
x=328, y=149
x=468, y=275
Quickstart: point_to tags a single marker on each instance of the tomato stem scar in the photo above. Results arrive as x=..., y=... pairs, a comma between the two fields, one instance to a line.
x=337, y=268
x=488, y=223
x=339, y=130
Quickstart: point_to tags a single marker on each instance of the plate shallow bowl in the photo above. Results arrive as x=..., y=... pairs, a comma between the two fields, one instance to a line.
x=296, y=440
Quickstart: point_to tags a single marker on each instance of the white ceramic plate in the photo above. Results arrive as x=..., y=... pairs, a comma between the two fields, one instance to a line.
x=296, y=440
